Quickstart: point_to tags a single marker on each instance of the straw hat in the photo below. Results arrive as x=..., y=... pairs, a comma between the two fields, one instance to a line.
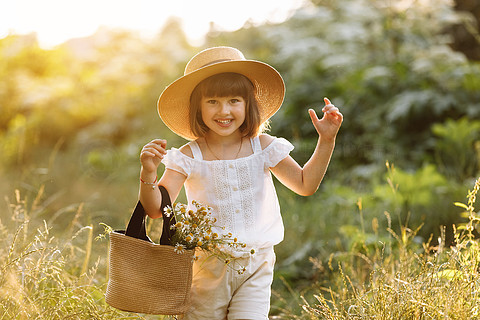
x=174, y=102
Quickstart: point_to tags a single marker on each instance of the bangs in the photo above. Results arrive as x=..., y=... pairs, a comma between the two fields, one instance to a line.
x=226, y=84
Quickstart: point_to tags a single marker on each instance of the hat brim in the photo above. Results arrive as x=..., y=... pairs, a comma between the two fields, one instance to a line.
x=174, y=102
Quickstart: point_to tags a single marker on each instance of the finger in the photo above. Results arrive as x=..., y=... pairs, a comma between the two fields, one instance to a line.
x=313, y=115
x=328, y=104
x=331, y=109
x=147, y=154
x=328, y=107
x=336, y=116
x=160, y=142
x=155, y=146
x=339, y=115
x=153, y=152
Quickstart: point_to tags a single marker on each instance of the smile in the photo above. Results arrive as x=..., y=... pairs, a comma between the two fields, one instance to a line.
x=224, y=121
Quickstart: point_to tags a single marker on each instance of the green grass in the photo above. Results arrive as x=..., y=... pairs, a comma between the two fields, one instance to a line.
x=60, y=271
x=402, y=280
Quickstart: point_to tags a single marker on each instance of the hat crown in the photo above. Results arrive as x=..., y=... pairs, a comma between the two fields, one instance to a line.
x=211, y=56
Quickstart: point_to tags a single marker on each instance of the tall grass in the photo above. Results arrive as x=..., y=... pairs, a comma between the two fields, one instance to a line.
x=407, y=283
x=47, y=277
x=47, y=273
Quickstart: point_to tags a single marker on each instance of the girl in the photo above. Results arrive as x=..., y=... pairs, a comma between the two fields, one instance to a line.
x=222, y=104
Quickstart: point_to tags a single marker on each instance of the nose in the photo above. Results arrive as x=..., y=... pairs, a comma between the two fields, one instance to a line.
x=224, y=107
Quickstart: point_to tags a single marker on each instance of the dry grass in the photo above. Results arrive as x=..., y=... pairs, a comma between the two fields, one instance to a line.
x=45, y=277
x=435, y=283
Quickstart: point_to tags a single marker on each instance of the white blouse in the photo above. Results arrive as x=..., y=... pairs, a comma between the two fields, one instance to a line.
x=240, y=191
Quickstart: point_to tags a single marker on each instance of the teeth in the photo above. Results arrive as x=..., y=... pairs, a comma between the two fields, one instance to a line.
x=224, y=121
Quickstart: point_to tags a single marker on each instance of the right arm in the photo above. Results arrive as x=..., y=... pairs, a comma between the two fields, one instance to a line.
x=150, y=157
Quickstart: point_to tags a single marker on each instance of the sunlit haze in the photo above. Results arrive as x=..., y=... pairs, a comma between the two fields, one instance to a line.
x=55, y=21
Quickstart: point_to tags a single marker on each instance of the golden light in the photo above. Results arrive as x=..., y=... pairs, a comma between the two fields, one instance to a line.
x=55, y=21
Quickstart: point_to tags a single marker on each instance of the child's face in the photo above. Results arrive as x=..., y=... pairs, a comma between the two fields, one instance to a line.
x=223, y=115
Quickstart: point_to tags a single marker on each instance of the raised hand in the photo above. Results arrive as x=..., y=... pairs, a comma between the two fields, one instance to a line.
x=328, y=126
x=152, y=154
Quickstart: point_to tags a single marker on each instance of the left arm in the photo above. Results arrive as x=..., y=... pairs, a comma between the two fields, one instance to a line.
x=305, y=181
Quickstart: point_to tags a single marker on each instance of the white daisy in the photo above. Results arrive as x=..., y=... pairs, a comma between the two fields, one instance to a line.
x=167, y=211
x=179, y=248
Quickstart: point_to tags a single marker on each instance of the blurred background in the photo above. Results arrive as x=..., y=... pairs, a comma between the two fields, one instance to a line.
x=77, y=103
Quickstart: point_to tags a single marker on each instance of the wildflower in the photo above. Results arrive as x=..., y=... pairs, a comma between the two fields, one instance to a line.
x=252, y=251
x=193, y=228
x=179, y=248
x=189, y=237
x=168, y=212
x=177, y=207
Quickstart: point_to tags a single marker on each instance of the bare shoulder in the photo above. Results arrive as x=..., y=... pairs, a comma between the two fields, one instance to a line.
x=186, y=150
x=265, y=140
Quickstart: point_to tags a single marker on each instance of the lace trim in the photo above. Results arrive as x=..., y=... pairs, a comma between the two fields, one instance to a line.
x=245, y=184
x=223, y=196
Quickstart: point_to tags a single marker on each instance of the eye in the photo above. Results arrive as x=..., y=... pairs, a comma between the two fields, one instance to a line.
x=211, y=101
x=235, y=100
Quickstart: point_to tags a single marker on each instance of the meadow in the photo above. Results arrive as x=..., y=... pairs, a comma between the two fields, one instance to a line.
x=392, y=232
x=52, y=272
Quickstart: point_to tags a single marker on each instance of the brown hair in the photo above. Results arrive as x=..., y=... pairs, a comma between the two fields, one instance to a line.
x=222, y=85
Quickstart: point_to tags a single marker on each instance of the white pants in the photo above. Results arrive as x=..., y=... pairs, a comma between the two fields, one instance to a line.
x=220, y=292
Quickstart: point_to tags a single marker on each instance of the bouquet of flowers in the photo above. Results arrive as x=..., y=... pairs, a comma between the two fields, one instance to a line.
x=193, y=228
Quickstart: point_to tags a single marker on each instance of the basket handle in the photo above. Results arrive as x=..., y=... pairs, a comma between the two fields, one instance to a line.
x=136, y=225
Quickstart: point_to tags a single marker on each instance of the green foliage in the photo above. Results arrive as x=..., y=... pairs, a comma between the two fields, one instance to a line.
x=80, y=123
x=417, y=198
x=73, y=120
x=404, y=189
x=437, y=283
x=342, y=225
x=457, y=148
x=392, y=75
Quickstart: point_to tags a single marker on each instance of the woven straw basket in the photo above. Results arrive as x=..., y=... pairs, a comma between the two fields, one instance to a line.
x=146, y=277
